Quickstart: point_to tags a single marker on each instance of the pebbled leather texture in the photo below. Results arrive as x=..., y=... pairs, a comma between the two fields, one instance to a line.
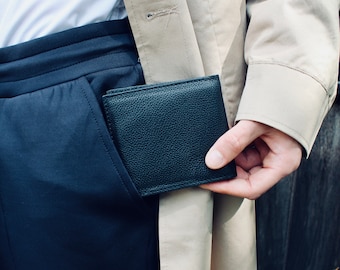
x=163, y=131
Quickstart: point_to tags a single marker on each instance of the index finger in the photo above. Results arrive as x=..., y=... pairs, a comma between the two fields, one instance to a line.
x=250, y=185
x=232, y=143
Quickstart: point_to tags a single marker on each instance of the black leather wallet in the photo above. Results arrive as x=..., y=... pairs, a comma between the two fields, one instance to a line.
x=163, y=131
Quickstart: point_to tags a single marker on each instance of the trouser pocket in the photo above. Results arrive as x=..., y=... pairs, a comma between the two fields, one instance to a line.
x=66, y=199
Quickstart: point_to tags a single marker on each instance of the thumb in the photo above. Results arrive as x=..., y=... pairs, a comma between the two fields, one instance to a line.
x=232, y=143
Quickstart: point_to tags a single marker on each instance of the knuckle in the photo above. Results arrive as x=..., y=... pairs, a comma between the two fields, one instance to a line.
x=294, y=161
x=296, y=165
x=233, y=143
x=253, y=196
x=253, y=193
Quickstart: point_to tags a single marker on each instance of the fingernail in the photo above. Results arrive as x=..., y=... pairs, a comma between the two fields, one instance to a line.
x=214, y=159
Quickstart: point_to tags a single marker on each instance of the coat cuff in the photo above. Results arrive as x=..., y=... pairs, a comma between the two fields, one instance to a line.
x=286, y=99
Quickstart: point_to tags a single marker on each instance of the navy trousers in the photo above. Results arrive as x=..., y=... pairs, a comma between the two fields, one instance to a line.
x=66, y=200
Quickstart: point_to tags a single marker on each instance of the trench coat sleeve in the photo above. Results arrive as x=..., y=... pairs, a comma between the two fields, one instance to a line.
x=292, y=51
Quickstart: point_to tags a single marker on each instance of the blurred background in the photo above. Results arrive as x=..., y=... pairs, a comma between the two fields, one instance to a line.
x=298, y=221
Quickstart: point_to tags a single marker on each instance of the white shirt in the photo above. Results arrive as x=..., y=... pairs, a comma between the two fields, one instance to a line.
x=23, y=20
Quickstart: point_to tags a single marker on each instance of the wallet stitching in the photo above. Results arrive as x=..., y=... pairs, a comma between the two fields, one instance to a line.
x=147, y=87
x=182, y=184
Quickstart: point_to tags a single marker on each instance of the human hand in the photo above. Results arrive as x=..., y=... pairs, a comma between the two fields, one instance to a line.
x=263, y=156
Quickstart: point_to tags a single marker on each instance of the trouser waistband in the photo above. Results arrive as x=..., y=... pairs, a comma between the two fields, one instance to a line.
x=64, y=56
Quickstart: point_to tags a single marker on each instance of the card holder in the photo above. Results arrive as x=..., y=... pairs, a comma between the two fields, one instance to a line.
x=163, y=132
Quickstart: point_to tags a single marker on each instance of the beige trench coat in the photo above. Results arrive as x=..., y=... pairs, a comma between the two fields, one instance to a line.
x=280, y=69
